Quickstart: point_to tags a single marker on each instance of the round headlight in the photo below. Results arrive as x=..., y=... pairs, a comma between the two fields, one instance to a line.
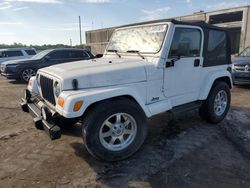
x=57, y=89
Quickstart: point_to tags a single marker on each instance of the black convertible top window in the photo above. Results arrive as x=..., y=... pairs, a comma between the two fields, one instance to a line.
x=216, y=50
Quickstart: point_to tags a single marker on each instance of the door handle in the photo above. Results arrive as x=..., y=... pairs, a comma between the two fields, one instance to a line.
x=196, y=62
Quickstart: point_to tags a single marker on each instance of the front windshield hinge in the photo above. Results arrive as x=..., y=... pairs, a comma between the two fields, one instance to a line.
x=115, y=51
x=136, y=51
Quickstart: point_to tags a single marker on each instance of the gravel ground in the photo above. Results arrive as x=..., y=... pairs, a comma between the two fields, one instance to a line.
x=183, y=151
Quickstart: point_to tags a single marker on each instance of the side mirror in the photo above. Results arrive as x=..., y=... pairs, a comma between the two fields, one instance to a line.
x=172, y=61
x=99, y=55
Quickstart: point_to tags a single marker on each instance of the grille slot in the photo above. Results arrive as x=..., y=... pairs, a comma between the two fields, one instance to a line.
x=47, y=89
x=241, y=68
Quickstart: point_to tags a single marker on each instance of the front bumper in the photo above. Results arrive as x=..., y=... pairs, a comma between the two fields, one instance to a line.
x=241, y=77
x=34, y=107
x=10, y=72
x=10, y=76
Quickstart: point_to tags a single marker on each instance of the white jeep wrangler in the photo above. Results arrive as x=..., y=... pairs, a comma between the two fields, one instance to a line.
x=146, y=70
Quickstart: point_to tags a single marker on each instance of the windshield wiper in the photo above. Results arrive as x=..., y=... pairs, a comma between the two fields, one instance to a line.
x=136, y=51
x=116, y=52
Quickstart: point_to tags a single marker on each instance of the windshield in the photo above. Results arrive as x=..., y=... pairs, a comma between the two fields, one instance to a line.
x=245, y=53
x=144, y=39
x=41, y=54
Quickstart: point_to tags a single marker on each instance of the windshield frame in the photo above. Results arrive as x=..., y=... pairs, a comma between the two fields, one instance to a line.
x=138, y=26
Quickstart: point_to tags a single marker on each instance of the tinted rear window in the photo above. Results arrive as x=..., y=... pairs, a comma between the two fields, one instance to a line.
x=30, y=52
x=217, y=48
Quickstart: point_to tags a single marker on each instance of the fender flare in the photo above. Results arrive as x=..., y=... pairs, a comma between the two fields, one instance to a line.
x=209, y=81
x=93, y=96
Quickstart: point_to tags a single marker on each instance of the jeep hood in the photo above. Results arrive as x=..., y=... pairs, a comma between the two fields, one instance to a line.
x=98, y=72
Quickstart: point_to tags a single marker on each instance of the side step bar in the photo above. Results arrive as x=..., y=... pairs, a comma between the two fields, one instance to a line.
x=187, y=107
x=53, y=131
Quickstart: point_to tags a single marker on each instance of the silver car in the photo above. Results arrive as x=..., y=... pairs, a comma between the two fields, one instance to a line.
x=241, y=67
x=16, y=53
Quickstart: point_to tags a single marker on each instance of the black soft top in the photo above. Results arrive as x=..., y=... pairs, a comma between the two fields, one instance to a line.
x=198, y=23
x=210, y=59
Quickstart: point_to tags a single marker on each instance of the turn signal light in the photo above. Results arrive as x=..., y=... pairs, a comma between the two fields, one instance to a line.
x=60, y=101
x=77, y=106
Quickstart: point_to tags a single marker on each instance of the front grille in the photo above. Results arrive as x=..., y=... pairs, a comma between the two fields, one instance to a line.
x=241, y=68
x=47, y=89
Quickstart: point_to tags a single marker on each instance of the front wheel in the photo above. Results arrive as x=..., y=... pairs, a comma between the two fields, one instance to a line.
x=27, y=73
x=216, y=107
x=114, y=130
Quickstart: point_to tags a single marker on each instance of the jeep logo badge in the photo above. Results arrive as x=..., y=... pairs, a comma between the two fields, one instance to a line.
x=247, y=68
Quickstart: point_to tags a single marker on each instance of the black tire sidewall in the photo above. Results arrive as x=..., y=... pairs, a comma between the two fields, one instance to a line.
x=212, y=117
x=94, y=122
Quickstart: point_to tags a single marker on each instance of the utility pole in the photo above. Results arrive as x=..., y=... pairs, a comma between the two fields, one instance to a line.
x=80, y=29
x=70, y=42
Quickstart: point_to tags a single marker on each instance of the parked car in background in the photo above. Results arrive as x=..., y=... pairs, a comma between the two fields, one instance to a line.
x=26, y=68
x=241, y=67
x=16, y=53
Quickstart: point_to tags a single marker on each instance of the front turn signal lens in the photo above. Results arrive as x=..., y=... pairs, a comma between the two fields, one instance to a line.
x=60, y=101
x=77, y=106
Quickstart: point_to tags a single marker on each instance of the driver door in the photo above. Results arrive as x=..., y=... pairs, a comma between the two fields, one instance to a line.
x=183, y=66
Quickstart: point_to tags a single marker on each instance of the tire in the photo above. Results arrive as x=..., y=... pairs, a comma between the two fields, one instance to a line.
x=133, y=121
x=216, y=107
x=27, y=73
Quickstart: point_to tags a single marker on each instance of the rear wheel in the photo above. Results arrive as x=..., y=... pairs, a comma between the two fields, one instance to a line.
x=114, y=130
x=216, y=107
x=27, y=73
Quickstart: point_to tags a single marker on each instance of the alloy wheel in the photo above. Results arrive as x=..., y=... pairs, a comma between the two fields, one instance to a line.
x=118, y=131
x=220, y=102
x=27, y=74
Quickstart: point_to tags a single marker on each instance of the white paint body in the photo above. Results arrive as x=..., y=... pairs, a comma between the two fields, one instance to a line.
x=156, y=88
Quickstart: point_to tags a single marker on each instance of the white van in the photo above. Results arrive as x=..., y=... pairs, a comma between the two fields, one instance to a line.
x=16, y=53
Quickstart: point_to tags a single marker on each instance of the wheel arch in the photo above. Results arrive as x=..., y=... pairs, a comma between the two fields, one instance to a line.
x=211, y=80
x=225, y=79
x=95, y=97
x=121, y=97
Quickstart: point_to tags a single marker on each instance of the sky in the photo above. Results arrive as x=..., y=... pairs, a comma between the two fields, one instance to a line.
x=56, y=21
